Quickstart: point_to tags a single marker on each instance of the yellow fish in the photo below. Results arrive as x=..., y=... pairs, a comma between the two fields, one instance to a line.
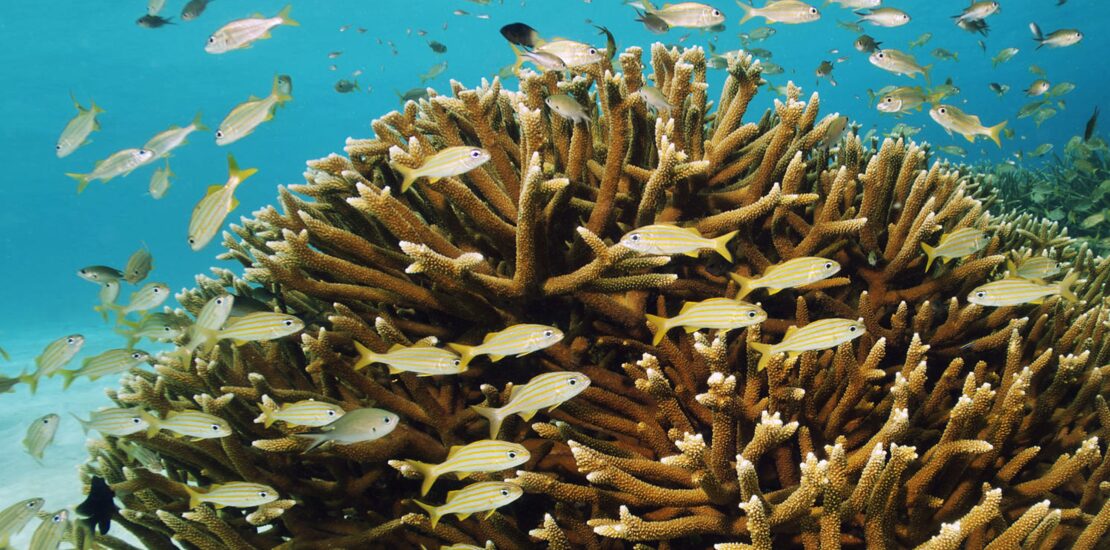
x=209, y=321
x=113, y=361
x=245, y=117
x=115, y=421
x=518, y=340
x=138, y=266
x=573, y=54
x=476, y=497
x=1035, y=268
x=40, y=434
x=717, y=313
x=1013, y=291
x=545, y=390
x=687, y=14
x=789, y=274
x=51, y=531
x=56, y=355
x=190, y=423
x=954, y=120
x=209, y=213
x=781, y=11
x=487, y=455
x=151, y=295
x=172, y=138
x=120, y=163
x=160, y=181
x=302, y=413
x=818, y=335
x=667, y=239
x=15, y=517
x=422, y=359
x=78, y=129
x=957, y=244
x=260, y=326
x=452, y=161
x=236, y=494
x=355, y=426
x=241, y=33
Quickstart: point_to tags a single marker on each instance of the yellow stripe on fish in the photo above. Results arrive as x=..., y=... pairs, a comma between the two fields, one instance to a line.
x=1034, y=268
x=40, y=434
x=249, y=115
x=452, y=161
x=50, y=533
x=202, y=334
x=194, y=424
x=138, y=266
x=546, y=390
x=477, y=497
x=302, y=413
x=241, y=33
x=687, y=14
x=487, y=455
x=260, y=326
x=714, y=313
x=236, y=494
x=110, y=362
x=115, y=421
x=667, y=240
x=54, y=356
x=789, y=274
x=957, y=244
x=818, y=335
x=77, y=130
x=164, y=142
x=422, y=359
x=151, y=295
x=15, y=517
x=574, y=54
x=1014, y=291
x=518, y=340
x=209, y=213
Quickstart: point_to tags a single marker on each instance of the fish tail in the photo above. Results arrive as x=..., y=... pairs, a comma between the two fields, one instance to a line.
x=427, y=471
x=929, y=251
x=658, y=328
x=764, y=353
x=518, y=63
x=745, y=284
x=494, y=417
x=648, y=7
x=82, y=180
x=32, y=380
x=995, y=133
x=1065, y=287
x=748, y=12
x=466, y=353
x=316, y=439
x=409, y=175
x=84, y=426
x=1036, y=30
x=268, y=409
x=720, y=244
x=67, y=377
x=95, y=108
x=365, y=356
x=198, y=125
x=927, y=72
x=433, y=512
x=153, y=424
x=233, y=170
x=1011, y=267
x=284, y=15
x=194, y=496
x=275, y=90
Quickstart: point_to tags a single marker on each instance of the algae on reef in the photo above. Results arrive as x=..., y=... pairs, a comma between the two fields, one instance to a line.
x=947, y=424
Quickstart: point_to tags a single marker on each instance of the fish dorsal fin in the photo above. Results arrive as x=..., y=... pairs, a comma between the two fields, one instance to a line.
x=488, y=336
x=170, y=415
x=686, y=306
x=454, y=450
x=213, y=189
x=790, y=331
x=451, y=494
x=395, y=347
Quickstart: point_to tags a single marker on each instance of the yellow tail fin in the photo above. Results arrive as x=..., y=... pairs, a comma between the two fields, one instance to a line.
x=234, y=173
x=154, y=425
x=426, y=470
x=365, y=356
x=745, y=284
x=409, y=175
x=929, y=251
x=764, y=351
x=995, y=133
x=275, y=91
x=197, y=125
x=82, y=180
x=494, y=417
x=720, y=244
x=284, y=15
x=194, y=496
x=1065, y=287
x=658, y=327
x=433, y=512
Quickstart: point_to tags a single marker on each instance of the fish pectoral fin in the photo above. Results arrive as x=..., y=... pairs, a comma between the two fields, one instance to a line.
x=1038, y=301
x=789, y=331
x=772, y=290
x=463, y=515
x=970, y=137
x=692, y=253
x=690, y=328
x=527, y=415
x=496, y=357
x=490, y=513
x=234, y=204
x=213, y=189
x=433, y=179
x=462, y=475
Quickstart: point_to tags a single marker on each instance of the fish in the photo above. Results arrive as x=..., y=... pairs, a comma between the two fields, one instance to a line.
x=208, y=215
x=850, y=26
x=824, y=70
x=866, y=44
x=1056, y=39
x=157, y=326
x=484, y=496
x=242, y=33
x=1013, y=291
x=234, y=494
x=549, y=390
x=921, y=40
x=573, y=54
x=903, y=131
x=145, y=457
x=953, y=150
x=902, y=99
x=109, y=291
x=99, y=274
x=1004, y=55
x=1043, y=114
x=345, y=86
x=150, y=296
x=792, y=273
x=975, y=26
x=884, y=17
x=40, y=434
x=160, y=181
x=260, y=327
x=98, y=507
x=655, y=99
x=355, y=426
x=486, y=455
x=1041, y=150
x=781, y=11
x=652, y=23
x=713, y=313
x=941, y=53
x=761, y=33
x=855, y=4
x=1028, y=109
x=113, y=361
x=77, y=130
x=437, y=47
x=978, y=11
x=938, y=93
x=54, y=357
x=191, y=423
x=210, y=319
x=1089, y=128
x=433, y=72
x=694, y=15
x=818, y=335
x=1061, y=89
x=998, y=88
x=668, y=239
x=245, y=117
x=898, y=62
x=114, y=421
x=957, y=244
x=120, y=163
x=175, y=136
x=452, y=161
x=15, y=517
x=154, y=7
x=415, y=94
x=770, y=68
x=521, y=35
x=542, y=60
x=610, y=41
x=568, y=108
x=51, y=532
x=153, y=21
x=193, y=9
x=422, y=358
x=334, y=55
x=1035, y=268
x=760, y=52
x=138, y=266
x=518, y=340
x=954, y=120
x=308, y=412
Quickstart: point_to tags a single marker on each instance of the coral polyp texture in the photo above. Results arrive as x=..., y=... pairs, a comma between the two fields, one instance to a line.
x=947, y=424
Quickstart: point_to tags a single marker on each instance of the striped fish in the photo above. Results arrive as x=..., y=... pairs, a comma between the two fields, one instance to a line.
x=245, y=117
x=487, y=455
x=574, y=54
x=15, y=517
x=99, y=274
x=150, y=296
x=714, y=313
x=56, y=355
x=77, y=130
x=241, y=33
x=667, y=240
x=138, y=266
x=789, y=274
x=115, y=421
x=518, y=340
x=302, y=413
x=113, y=361
x=160, y=181
x=260, y=326
x=144, y=456
x=159, y=326
x=422, y=359
x=818, y=335
x=40, y=434
x=120, y=163
x=194, y=424
x=355, y=427
x=164, y=142
x=452, y=161
x=51, y=532
x=477, y=497
x=209, y=213
x=687, y=14
x=546, y=390
x=957, y=244
x=209, y=321
x=1014, y=291
x=1035, y=268
x=236, y=494
x=109, y=291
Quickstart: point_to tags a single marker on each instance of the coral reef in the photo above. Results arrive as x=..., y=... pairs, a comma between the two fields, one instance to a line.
x=947, y=424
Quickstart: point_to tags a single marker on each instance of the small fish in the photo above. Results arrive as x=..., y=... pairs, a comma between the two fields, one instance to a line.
x=884, y=17
x=245, y=117
x=903, y=131
x=671, y=239
x=143, y=456
x=824, y=70
x=1038, y=88
x=574, y=54
x=160, y=181
x=433, y=72
x=308, y=412
x=521, y=35
x=115, y=421
x=203, y=333
x=568, y=108
x=421, y=358
x=345, y=86
x=542, y=60
x=762, y=53
x=978, y=10
x=833, y=131
x=113, y=361
x=866, y=44
x=157, y=326
x=415, y=94
x=1041, y=150
x=1061, y=89
x=1003, y=56
x=694, y=15
x=977, y=26
x=153, y=21
x=333, y=55
x=953, y=150
x=487, y=455
x=437, y=47
x=900, y=100
x=56, y=355
x=77, y=130
x=655, y=99
x=954, y=120
x=260, y=327
x=208, y=215
x=518, y=340
x=818, y=335
x=355, y=426
x=713, y=313
x=999, y=89
x=1043, y=114
x=898, y=62
x=1028, y=109
x=15, y=517
x=98, y=507
x=484, y=496
x=850, y=26
x=195, y=424
x=150, y=296
x=856, y=4
x=652, y=23
x=241, y=33
x=120, y=163
x=193, y=9
x=1089, y=128
x=781, y=11
x=789, y=274
x=938, y=93
x=99, y=274
x=452, y=161
x=51, y=532
x=164, y=142
x=40, y=434
x=1014, y=291
x=943, y=54
x=109, y=291
x=550, y=390
x=154, y=7
x=761, y=33
x=770, y=68
x=1055, y=39
x=921, y=40
x=1036, y=268
x=138, y=266
x=957, y=244
x=236, y=494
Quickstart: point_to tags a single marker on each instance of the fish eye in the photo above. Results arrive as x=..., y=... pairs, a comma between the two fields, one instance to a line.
x=212, y=39
x=980, y=294
x=136, y=420
x=504, y=492
x=593, y=51
x=192, y=240
x=219, y=134
x=476, y=153
x=573, y=381
x=547, y=333
x=215, y=427
x=58, y=147
x=331, y=412
x=288, y=322
x=888, y=99
x=813, y=11
x=512, y=454
x=263, y=494
x=751, y=314
x=156, y=290
x=634, y=237
x=45, y=420
x=136, y=356
x=387, y=420
x=57, y=518
x=456, y=362
x=852, y=328
x=716, y=13
x=828, y=265
x=880, y=55
x=942, y=110
x=30, y=504
x=69, y=340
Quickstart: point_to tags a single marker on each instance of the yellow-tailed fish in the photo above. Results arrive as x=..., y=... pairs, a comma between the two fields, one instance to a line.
x=543, y=60
x=241, y=33
x=686, y=14
x=209, y=214
x=77, y=130
x=55, y=356
x=546, y=390
x=99, y=273
x=355, y=427
x=422, y=359
x=196, y=424
x=789, y=274
x=158, y=326
x=884, y=17
x=818, y=335
x=1036, y=268
x=113, y=361
x=668, y=239
x=245, y=117
x=484, y=496
x=138, y=266
x=51, y=532
x=1014, y=291
x=977, y=11
x=901, y=100
x=209, y=321
x=654, y=98
x=235, y=494
x=714, y=313
x=173, y=137
x=115, y=421
x=452, y=161
x=151, y=295
x=568, y=108
x=487, y=455
x=160, y=181
x=40, y=434
x=145, y=457
x=516, y=340
x=15, y=517
x=898, y=62
x=781, y=11
x=954, y=120
x=119, y=163
x=1055, y=39
x=260, y=326
x=109, y=291
x=957, y=244
x=309, y=412
x=574, y=54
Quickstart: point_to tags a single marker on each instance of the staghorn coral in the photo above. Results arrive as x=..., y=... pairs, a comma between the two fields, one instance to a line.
x=947, y=424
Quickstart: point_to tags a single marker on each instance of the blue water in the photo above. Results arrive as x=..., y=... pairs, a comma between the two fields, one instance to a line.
x=149, y=79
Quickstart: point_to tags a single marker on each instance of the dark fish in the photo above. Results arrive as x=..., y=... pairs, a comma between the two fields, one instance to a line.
x=99, y=507
x=1090, y=129
x=414, y=94
x=652, y=22
x=437, y=47
x=610, y=42
x=520, y=34
x=346, y=86
x=975, y=26
x=193, y=9
x=153, y=21
x=6, y=384
x=285, y=84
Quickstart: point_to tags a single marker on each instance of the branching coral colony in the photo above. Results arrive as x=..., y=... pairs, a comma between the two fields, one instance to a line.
x=946, y=424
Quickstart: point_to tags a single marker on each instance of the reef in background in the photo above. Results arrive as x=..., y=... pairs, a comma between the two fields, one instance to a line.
x=947, y=424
